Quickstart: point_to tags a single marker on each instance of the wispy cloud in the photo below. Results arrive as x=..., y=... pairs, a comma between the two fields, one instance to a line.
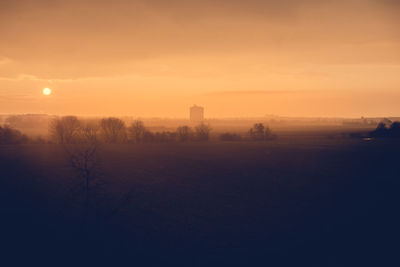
x=30, y=77
x=254, y=92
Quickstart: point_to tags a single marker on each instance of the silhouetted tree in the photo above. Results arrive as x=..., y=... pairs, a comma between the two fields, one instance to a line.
x=184, y=133
x=64, y=130
x=380, y=131
x=83, y=158
x=137, y=131
x=88, y=132
x=394, y=129
x=113, y=130
x=9, y=135
x=202, y=132
x=259, y=133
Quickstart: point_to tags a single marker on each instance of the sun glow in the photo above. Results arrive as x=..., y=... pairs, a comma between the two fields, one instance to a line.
x=47, y=91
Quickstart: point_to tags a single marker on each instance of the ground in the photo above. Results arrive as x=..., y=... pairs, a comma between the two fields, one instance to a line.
x=309, y=201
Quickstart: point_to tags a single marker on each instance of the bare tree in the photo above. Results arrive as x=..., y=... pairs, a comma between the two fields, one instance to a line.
x=9, y=135
x=89, y=131
x=64, y=130
x=83, y=159
x=184, y=133
x=202, y=132
x=137, y=131
x=259, y=132
x=113, y=130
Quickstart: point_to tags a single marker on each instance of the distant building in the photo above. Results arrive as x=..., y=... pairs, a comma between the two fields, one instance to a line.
x=196, y=113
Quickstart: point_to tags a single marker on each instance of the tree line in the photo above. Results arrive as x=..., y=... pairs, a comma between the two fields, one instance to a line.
x=384, y=131
x=9, y=135
x=69, y=129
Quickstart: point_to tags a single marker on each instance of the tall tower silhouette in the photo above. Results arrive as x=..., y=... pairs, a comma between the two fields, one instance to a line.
x=196, y=113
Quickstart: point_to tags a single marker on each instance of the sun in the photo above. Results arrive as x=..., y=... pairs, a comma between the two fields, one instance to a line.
x=47, y=91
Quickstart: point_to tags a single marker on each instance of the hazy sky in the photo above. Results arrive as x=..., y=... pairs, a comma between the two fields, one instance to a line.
x=234, y=57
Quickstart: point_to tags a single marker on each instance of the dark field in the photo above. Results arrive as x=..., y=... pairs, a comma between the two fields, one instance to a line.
x=288, y=202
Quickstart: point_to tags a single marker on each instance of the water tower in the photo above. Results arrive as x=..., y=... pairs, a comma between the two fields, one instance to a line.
x=196, y=113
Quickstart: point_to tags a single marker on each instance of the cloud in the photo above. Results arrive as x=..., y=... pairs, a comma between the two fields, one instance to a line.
x=77, y=39
x=254, y=92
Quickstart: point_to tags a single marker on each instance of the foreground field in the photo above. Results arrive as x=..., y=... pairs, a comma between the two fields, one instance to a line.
x=320, y=202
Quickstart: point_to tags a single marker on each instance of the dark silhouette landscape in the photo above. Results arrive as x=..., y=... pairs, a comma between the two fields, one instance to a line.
x=104, y=192
x=200, y=133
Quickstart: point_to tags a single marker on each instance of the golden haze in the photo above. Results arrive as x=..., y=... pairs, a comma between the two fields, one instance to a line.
x=236, y=58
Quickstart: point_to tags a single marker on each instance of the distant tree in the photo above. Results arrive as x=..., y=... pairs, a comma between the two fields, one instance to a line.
x=394, y=129
x=230, y=137
x=113, y=130
x=89, y=131
x=137, y=131
x=184, y=133
x=64, y=130
x=380, y=131
x=9, y=135
x=202, y=132
x=259, y=133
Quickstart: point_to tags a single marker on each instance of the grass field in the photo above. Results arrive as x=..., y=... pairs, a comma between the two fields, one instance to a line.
x=305, y=201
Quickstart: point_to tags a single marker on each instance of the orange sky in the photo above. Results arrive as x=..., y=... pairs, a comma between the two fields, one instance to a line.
x=235, y=58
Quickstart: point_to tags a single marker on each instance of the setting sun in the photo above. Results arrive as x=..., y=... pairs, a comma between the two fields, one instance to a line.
x=47, y=91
